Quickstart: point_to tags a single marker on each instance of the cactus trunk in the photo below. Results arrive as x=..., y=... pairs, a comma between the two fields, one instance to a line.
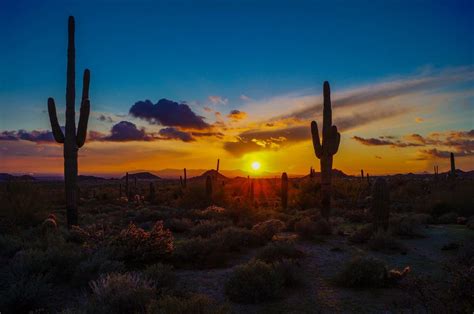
x=284, y=190
x=72, y=141
x=453, y=166
x=325, y=149
x=217, y=168
x=380, y=209
x=185, y=179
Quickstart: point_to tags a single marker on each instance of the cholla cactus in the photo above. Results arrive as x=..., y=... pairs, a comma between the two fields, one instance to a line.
x=380, y=204
x=284, y=190
x=72, y=141
x=325, y=149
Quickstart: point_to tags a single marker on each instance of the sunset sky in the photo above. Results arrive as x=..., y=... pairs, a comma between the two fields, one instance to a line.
x=177, y=84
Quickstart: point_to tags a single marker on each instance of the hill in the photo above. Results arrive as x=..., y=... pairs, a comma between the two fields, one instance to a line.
x=142, y=176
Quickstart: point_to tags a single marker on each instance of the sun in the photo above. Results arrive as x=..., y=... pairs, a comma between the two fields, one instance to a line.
x=255, y=165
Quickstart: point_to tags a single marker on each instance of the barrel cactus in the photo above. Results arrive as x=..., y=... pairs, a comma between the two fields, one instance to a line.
x=72, y=141
x=325, y=149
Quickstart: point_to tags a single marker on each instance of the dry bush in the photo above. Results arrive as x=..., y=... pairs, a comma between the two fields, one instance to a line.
x=267, y=229
x=196, y=303
x=277, y=251
x=120, y=293
x=363, y=272
x=135, y=245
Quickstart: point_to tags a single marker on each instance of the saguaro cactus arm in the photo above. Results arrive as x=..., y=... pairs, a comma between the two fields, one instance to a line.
x=333, y=140
x=85, y=110
x=318, y=149
x=53, y=118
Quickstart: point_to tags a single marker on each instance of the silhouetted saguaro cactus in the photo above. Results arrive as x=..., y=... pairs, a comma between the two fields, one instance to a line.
x=380, y=204
x=452, y=173
x=209, y=188
x=284, y=190
x=325, y=149
x=217, y=168
x=362, y=174
x=185, y=179
x=72, y=141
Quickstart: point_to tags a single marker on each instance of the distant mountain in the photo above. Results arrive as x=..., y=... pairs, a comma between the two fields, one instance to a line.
x=89, y=178
x=4, y=177
x=142, y=176
x=212, y=173
x=336, y=173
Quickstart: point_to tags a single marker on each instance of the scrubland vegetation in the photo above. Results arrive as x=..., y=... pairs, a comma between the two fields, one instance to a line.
x=182, y=251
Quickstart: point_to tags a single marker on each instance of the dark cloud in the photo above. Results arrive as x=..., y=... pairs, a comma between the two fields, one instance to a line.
x=105, y=118
x=208, y=134
x=384, y=142
x=31, y=136
x=237, y=115
x=174, y=134
x=435, y=153
x=168, y=113
x=125, y=131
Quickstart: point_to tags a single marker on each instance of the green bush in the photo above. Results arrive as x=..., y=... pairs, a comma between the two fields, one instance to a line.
x=254, y=282
x=363, y=272
x=120, y=293
x=268, y=228
x=234, y=239
x=207, y=228
x=95, y=265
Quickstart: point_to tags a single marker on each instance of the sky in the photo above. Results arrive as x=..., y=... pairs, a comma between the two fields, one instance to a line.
x=181, y=83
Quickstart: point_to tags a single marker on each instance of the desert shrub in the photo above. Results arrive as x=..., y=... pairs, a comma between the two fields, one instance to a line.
x=363, y=272
x=77, y=235
x=254, y=282
x=136, y=245
x=448, y=218
x=290, y=271
x=178, y=225
x=408, y=227
x=422, y=219
x=306, y=228
x=9, y=245
x=207, y=228
x=201, y=253
x=277, y=251
x=355, y=216
x=95, y=265
x=235, y=239
x=161, y=275
x=384, y=241
x=308, y=195
x=22, y=204
x=196, y=303
x=440, y=208
x=267, y=229
x=25, y=293
x=362, y=234
x=120, y=293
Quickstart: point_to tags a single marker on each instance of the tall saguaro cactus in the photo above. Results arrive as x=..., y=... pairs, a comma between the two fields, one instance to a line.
x=452, y=172
x=72, y=141
x=325, y=149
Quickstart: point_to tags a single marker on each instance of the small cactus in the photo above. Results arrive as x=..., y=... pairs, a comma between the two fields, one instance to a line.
x=185, y=179
x=325, y=149
x=284, y=190
x=72, y=140
x=380, y=209
x=217, y=168
x=362, y=174
x=209, y=188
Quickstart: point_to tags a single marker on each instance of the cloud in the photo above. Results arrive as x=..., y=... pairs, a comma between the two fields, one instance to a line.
x=236, y=115
x=168, y=113
x=419, y=120
x=125, y=131
x=31, y=136
x=104, y=118
x=218, y=100
x=384, y=142
x=174, y=134
x=245, y=98
x=255, y=140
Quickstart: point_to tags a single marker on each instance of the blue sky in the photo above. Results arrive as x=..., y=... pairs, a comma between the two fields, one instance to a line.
x=191, y=50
